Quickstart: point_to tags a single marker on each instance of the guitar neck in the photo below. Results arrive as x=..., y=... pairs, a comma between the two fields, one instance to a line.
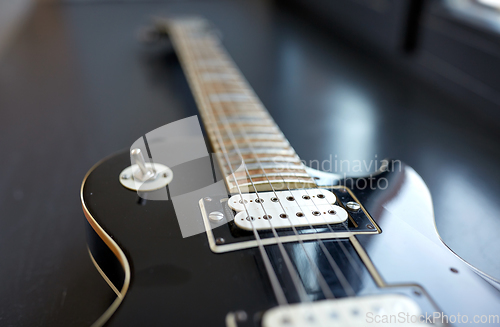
x=252, y=152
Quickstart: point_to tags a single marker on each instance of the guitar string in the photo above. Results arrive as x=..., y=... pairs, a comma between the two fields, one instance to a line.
x=339, y=243
x=295, y=278
x=274, y=280
x=332, y=263
x=275, y=284
x=293, y=274
x=336, y=269
x=323, y=285
x=340, y=276
x=337, y=239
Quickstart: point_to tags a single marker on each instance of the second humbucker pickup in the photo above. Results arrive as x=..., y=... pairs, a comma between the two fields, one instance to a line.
x=286, y=209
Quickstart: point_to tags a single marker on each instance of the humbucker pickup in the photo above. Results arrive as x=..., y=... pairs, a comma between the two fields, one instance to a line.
x=352, y=311
x=284, y=209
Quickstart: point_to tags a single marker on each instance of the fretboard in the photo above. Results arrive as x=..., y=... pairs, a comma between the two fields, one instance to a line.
x=252, y=152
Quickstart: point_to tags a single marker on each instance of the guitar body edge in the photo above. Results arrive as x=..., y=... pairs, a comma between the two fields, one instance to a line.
x=108, y=258
x=403, y=211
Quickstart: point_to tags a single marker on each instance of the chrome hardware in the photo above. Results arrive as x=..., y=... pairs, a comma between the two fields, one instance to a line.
x=215, y=216
x=353, y=206
x=216, y=202
x=144, y=176
x=143, y=173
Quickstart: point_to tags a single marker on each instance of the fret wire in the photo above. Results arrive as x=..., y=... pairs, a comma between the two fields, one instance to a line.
x=229, y=164
x=272, y=275
x=258, y=107
x=295, y=278
x=250, y=113
x=285, y=256
x=323, y=284
x=184, y=55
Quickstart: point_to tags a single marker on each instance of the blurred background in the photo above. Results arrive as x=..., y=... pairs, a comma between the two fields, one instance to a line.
x=353, y=80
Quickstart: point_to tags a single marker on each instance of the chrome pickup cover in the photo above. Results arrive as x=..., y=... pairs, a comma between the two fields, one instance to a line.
x=284, y=209
x=349, y=312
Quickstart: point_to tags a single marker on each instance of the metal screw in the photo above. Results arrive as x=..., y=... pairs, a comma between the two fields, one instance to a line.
x=125, y=176
x=208, y=199
x=331, y=212
x=215, y=216
x=251, y=217
x=267, y=217
x=300, y=214
x=259, y=200
x=454, y=270
x=165, y=175
x=370, y=226
x=321, y=196
x=220, y=241
x=290, y=198
x=353, y=206
x=306, y=197
x=316, y=213
x=274, y=199
x=284, y=215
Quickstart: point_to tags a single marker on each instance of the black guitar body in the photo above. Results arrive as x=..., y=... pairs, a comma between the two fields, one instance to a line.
x=163, y=279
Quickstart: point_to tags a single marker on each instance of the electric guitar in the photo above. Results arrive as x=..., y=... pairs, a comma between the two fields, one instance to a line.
x=244, y=234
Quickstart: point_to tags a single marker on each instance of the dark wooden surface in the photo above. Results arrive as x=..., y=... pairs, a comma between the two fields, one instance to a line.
x=76, y=86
